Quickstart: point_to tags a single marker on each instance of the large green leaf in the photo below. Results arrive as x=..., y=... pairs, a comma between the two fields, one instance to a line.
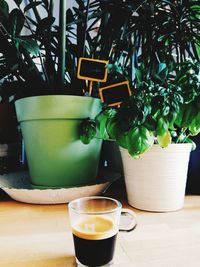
x=44, y=24
x=139, y=140
x=198, y=49
x=29, y=44
x=112, y=128
x=179, y=118
x=69, y=16
x=138, y=74
x=160, y=72
x=164, y=140
x=102, y=119
x=15, y=22
x=162, y=126
x=190, y=113
x=171, y=119
x=150, y=123
x=4, y=10
x=194, y=126
x=87, y=131
x=115, y=132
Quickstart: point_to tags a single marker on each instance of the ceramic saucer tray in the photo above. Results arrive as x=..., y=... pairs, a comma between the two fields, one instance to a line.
x=18, y=187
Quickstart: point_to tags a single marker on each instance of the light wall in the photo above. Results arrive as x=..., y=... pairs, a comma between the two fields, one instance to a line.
x=11, y=3
x=70, y=3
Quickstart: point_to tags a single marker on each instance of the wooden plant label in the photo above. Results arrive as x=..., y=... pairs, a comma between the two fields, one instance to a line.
x=92, y=69
x=115, y=94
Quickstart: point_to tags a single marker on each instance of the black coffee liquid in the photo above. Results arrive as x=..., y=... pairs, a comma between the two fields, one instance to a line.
x=94, y=240
x=94, y=252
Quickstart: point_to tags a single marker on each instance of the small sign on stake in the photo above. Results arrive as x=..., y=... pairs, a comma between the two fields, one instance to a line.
x=115, y=94
x=92, y=69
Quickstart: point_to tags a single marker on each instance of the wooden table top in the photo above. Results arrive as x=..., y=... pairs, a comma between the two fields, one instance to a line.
x=39, y=236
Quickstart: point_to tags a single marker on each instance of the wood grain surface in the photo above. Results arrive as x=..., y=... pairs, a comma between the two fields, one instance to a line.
x=39, y=236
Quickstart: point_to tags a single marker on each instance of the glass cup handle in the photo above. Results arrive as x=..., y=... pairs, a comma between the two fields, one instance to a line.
x=128, y=221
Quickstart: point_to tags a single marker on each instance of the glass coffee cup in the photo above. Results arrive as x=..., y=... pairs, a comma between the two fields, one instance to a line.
x=95, y=222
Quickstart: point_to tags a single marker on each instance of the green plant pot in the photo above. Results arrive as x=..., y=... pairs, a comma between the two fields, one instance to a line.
x=56, y=156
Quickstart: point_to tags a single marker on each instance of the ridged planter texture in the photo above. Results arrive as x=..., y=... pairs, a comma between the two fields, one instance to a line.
x=157, y=180
x=50, y=128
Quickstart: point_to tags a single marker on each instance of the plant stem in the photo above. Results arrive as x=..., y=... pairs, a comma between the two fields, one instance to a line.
x=85, y=27
x=51, y=6
x=187, y=136
x=40, y=56
x=183, y=130
x=62, y=45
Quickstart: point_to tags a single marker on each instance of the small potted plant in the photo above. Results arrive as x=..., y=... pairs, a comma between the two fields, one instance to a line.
x=51, y=102
x=163, y=111
x=34, y=51
x=157, y=116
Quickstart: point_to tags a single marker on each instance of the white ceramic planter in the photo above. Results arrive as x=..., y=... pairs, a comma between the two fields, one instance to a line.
x=157, y=180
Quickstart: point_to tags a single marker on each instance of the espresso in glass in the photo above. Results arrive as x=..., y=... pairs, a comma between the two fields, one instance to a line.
x=94, y=240
x=95, y=224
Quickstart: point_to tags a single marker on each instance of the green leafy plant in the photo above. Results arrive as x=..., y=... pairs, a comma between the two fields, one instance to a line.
x=39, y=56
x=166, y=31
x=37, y=50
x=157, y=32
x=163, y=113
x=146, y=42
x=163, y=70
